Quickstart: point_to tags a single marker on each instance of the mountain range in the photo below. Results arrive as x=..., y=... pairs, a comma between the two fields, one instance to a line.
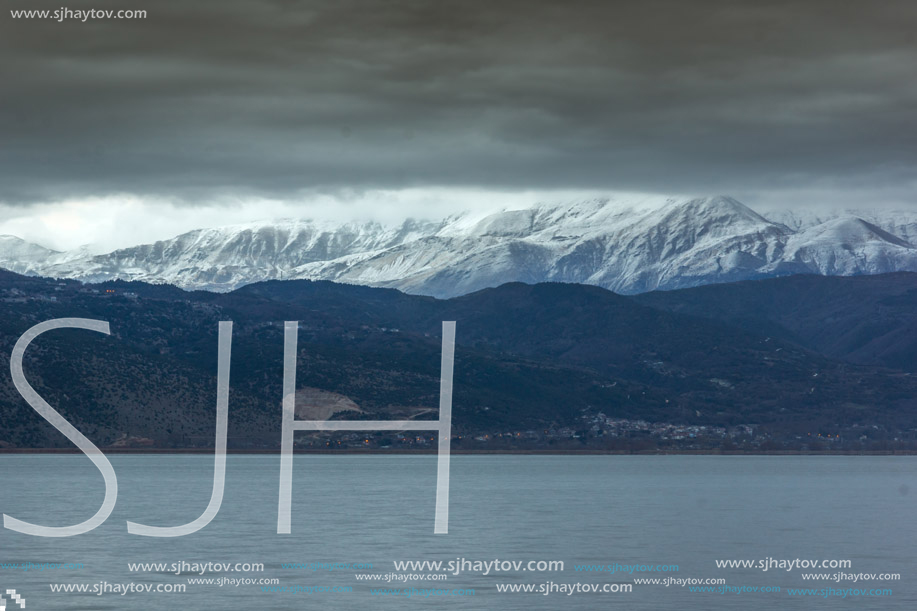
x=627, y=245
x=784, y=363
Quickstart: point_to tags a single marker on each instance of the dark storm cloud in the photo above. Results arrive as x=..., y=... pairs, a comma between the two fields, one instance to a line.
x=209, y=98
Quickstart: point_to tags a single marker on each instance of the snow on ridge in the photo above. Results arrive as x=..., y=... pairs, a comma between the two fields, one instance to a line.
x=625, y=243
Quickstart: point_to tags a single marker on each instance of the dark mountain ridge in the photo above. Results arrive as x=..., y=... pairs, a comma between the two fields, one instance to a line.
x=557, y=365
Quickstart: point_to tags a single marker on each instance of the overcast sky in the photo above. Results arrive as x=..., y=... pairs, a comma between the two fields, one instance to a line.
x=213, y=112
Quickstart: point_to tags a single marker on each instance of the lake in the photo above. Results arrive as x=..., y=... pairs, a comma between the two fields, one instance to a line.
x=648, y=517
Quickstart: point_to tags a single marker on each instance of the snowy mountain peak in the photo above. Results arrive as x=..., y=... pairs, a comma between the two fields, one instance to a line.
x=627, y=244
x=23, y=257
x=850, y=230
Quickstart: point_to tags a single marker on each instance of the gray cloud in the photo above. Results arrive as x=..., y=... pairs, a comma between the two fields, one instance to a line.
x=272, y=98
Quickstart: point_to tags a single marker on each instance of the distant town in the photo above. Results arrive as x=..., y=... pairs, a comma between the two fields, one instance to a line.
x=602, y=433
x=599, y=434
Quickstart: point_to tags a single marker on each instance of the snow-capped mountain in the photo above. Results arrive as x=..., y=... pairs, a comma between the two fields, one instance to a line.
x=626, y=245
x=225, y=258
x=23, y=257
x=900, y=223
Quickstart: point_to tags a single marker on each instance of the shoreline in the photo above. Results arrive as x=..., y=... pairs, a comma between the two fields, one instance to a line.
x=353, y=452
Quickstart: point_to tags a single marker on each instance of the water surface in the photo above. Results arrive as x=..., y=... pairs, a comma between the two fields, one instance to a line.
x=687, y=511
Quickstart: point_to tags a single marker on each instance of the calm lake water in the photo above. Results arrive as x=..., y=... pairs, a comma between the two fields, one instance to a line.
x=582, y=510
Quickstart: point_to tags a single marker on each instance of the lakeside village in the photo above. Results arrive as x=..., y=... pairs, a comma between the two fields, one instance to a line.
x=601, y=433
x=595, y=428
